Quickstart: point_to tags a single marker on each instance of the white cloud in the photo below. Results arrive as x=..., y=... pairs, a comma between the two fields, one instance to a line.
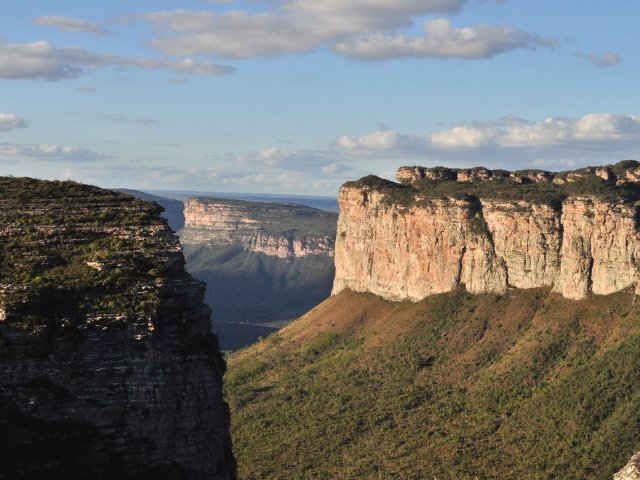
x=365, y=29
x=440, y=39
x=46, y=152
x=374, y=8
x=11, y=121
x=69, y=24
x=605, y=60
x=599, y=129
x=42, y=61
x=231, y=35
x=335, y=168
x=379, y=140
x=554, y=143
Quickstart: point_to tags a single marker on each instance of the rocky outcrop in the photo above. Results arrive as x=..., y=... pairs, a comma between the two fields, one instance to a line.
x=281, y=230
x=108, y=368
x=436, y=234
x=622, y=173
x=631, y=470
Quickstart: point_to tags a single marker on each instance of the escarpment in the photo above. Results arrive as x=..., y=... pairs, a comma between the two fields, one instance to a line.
x=489, y=231
x=281, y=230
x=108, y=368
x=265, y=263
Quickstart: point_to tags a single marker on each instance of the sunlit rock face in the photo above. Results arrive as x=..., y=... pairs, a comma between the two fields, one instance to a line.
x=489, y=231
x=631, y=470
x=280, y=230
x=108, y=368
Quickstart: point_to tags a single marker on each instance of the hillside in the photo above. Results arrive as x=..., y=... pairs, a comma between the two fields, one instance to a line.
x=264, y=263
x=522, y=385
x=108, y=368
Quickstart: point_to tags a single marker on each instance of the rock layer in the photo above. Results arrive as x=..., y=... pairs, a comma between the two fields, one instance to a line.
x=404, y=243
x=280, y=230
x=631, y=470
x=108, y=368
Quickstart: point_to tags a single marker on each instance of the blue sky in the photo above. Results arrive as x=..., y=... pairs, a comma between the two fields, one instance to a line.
x=298, y=96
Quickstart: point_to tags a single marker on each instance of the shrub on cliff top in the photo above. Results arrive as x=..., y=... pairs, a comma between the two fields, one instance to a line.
x=501, y=189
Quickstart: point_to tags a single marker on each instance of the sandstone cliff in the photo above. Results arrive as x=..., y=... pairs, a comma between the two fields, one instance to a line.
x=631, y=470
x=280, y=230
x=107, y=365
x=489, y=231
x=265, y=263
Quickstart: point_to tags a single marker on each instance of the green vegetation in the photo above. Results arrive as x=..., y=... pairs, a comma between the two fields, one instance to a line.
x=502, y=187
x=525, y=385
x=78, y=248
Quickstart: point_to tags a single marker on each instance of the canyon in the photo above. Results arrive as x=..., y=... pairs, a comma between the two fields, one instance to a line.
x=265, y=263
x=108, y=367
x=490, y=231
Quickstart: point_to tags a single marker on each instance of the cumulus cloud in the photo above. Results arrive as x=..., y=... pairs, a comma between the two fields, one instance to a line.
x=69, y=24
x=49, y=153
x=365, y=29
x=511, y=142
x=440, y=39
x=592, y=130
x=379, y=140
x=11, y=121
x=42, y=61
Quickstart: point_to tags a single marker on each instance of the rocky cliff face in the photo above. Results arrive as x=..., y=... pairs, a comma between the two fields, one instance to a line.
x=265, y=263
x=489, y=231
x=280, y=230
x=107, y=365
x=631, y=470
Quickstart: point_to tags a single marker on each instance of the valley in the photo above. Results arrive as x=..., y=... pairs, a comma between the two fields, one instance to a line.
x=482, y=324
x=522, y=385
x=264, y=263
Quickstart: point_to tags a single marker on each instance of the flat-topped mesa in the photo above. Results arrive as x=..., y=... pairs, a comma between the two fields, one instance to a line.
x=108, y=368
x=489, y=231
x=275, y=229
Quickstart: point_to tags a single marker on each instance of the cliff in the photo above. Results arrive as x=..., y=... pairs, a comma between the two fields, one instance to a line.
x=631, y=470
x=489, y=231
x=108, y=368
x=265, y=263
x=281, y=230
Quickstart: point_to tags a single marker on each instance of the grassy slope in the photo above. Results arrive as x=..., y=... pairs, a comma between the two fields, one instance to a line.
x=526, y=385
